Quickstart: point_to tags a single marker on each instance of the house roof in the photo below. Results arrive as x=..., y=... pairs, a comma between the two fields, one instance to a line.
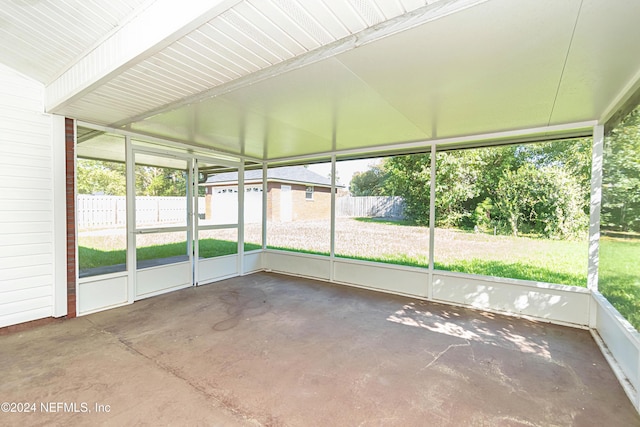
x=291, y=174
x=278, y=80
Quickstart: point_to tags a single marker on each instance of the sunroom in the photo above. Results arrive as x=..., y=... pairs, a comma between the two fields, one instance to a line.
x=481, y=154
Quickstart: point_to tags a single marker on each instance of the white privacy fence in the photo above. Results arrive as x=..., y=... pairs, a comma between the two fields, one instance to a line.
x=101, y=211
x=111, y=211
x=372, y=206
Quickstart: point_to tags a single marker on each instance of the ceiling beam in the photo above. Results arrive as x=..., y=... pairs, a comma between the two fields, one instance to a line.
x=188, y=147
x=539, y=134
x=153, y=29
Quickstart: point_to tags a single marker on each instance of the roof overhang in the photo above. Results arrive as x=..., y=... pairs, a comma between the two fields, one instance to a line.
x=259, y=181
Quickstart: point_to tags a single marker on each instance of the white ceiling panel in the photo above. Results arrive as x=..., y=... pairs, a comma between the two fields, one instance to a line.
x=604, y=59
x=41, y=38
x=194, y=77
x=489, y=70
x=279, y=78
x=414, y=4
x=243, y=40
x=316, y=17
x=391, y=9
x=195, y=56
x=249, y=38
x=338, y=106
x=369, y=11
x=407, y=87
x=293, y=33
x=100, y=145
x=294, y=20
x=230, y=128
x=173, y=73
x=210, y=49
x=347, y=15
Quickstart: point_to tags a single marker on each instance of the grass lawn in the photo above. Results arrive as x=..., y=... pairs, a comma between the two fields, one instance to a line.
x=399, y=242
x=619, y=276
x=208, y=248
x=540, y=260
x=527, y=258
x=514, y=270
x=387, y=221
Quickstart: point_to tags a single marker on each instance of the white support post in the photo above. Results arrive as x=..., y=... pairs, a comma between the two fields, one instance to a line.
x=75, y=215
x=432, y=220
x=194, y=201
x=241, y=219
x=596, y=200
x=265, y=192
x=594, y=213
x=131, y=219
x=190, y=221
x=332, y=244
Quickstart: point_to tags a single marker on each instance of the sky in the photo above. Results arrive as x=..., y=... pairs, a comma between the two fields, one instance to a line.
x=344, y=169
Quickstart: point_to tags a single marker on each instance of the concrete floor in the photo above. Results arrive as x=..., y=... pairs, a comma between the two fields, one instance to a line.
x=274, y=350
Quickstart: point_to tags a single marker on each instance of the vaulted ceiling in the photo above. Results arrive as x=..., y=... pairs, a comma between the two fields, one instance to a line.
x=281, y=78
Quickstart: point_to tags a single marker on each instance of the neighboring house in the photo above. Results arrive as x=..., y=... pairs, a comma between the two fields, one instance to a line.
x=294, y=193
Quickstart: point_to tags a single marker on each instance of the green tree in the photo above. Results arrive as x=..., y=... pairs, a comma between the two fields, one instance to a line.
x=100, y=177
x=533, y=188
x=109, y=178
x=467, y=179
x=621, y=176
x=457, y=187
x=157, y=181
x=410, y=178
x=571, y=155
x=368, y=183
x=545, y=201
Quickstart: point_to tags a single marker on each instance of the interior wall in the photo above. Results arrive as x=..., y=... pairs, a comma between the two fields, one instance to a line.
x=27, y=216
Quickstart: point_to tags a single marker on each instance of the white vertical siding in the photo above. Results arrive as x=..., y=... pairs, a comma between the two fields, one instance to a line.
x=26, y=201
